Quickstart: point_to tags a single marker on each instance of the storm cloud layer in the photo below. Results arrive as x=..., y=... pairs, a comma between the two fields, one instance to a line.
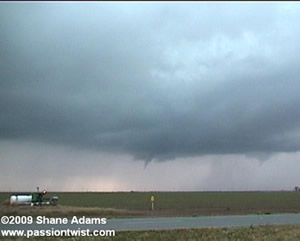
x=156, y=81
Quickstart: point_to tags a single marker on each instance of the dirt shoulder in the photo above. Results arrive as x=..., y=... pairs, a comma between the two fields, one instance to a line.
x=67, y=211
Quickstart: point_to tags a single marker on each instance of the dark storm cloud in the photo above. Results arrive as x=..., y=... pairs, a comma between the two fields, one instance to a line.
x=156, y=81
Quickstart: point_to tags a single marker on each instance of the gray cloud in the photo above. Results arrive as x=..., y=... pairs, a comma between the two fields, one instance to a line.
x=26, y=165
x=155, y=81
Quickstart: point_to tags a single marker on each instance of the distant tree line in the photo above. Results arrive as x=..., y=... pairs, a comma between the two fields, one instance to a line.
x=297, y=189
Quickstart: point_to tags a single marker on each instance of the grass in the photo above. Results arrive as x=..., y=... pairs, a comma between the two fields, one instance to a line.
x=258, y=233
x=66, y=211
x=179, y=203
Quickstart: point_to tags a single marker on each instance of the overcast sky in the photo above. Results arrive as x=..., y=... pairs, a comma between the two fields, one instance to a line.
x=149, y=96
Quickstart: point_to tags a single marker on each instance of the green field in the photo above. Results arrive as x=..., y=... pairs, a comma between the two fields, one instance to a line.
x=266, y=233
x=186, y=200
x=184, y=203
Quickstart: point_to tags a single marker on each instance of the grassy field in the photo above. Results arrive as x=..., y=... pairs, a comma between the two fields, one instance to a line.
x=259, y=233
x=182, y=203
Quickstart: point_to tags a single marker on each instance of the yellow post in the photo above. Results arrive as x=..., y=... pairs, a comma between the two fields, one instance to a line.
x=152, y=203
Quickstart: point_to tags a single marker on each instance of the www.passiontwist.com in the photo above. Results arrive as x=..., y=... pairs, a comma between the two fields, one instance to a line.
x=52, y=232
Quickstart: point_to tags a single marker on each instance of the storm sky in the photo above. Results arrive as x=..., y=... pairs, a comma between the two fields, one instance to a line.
x=149, y=96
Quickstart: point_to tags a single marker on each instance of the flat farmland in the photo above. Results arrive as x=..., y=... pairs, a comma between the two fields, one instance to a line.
x=186, y=200
x=183, y=203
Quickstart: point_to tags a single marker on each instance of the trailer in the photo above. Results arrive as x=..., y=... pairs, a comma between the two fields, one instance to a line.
x=33, y=199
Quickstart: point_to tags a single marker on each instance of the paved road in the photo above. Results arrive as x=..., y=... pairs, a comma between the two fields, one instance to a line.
x=171, y=223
